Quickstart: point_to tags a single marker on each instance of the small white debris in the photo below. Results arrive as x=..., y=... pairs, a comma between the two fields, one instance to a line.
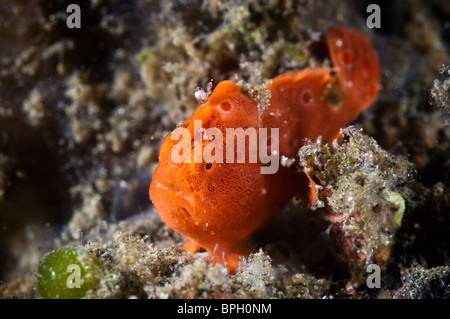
x=200, y=95
x=286, y=161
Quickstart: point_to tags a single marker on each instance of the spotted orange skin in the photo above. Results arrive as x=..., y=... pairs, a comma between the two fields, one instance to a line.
x=358, y=70
x=301, y=105
x=218, y=206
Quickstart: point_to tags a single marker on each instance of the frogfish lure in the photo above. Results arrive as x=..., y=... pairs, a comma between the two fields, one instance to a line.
x=219, y=205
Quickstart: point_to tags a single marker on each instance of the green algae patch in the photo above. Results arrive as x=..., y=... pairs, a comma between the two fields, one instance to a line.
x=68, y=273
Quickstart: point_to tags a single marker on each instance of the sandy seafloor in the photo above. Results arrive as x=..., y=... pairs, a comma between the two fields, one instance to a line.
x=83, y=113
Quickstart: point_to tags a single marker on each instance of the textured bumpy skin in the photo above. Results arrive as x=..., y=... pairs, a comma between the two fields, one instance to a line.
x=298, y=109
x=357, y=67
x=217, y=206
x=319, y=101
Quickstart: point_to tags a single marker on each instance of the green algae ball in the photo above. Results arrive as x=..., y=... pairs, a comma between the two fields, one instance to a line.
x=68, y=273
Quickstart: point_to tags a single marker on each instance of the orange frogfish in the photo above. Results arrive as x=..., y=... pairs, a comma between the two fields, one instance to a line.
x=219, y=201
